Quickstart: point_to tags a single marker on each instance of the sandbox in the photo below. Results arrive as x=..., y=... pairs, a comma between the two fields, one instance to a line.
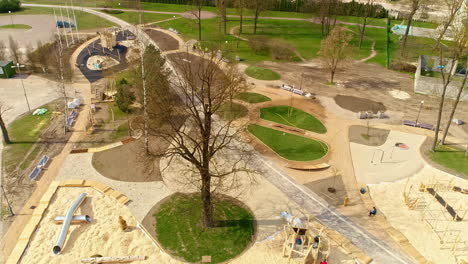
x=102, y=236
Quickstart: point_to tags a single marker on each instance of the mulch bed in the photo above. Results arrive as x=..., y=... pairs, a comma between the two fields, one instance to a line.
x=357, y=104
x=164, y=41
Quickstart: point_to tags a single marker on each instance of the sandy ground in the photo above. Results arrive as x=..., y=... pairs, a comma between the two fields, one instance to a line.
x=101, y=236
x=389, y=199
x=387, y=163
x=43, y=29
x=400, y=94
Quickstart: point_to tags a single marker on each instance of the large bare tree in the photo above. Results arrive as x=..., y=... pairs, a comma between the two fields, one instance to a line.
x=453, y=7
x=454, y=53
x=184, y=113
x=222, y=11
x=258, y=6
x=13, y=47
x=335, y=48
x=197, y=13
x=415, y=5
x=240, y=4
x=365, y=19
x=3, y=109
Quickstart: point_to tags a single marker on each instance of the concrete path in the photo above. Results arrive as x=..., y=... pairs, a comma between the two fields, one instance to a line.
x=378, y=250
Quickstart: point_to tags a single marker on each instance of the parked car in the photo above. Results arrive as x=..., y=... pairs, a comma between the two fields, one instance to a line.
x=65, y=24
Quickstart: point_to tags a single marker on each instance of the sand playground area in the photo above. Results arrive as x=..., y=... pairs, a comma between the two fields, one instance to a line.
x=419, y=215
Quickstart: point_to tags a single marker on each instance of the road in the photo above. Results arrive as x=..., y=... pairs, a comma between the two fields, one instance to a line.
x=375, y=248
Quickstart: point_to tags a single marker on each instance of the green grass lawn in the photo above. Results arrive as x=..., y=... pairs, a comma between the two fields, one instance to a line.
x=252, y=98
x=179, y=229
x=451, y=157
x=24, y=132
x=120, y=132
x=84, y=20
x=134, y=17
x=294, y=117
x=16, y=26
x=232, y=111
x=289, y=146
x=117, y=113
x=262, y=73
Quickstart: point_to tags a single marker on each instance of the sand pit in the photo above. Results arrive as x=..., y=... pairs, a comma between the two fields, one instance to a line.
x=101, y=236
x=357, y=104
x=194, y=14
x=399, y=94
x=389, y=199
x=104, y=61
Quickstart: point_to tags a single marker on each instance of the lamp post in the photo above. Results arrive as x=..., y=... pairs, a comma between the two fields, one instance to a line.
x=419, y=112
x=18, y=66
x=11, y=17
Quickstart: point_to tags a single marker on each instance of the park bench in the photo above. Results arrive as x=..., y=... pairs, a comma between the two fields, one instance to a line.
x=38, y=169
x=420, y=125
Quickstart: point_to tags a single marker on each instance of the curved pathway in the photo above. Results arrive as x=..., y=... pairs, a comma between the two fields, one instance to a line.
x=375, y=248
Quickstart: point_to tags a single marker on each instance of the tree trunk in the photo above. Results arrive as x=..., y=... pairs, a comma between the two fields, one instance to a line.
x=454, y=108
x=439, y=117
x=439, y=39
x=206, y=199
x=240, y=21
x=199, y=24
x=4, y=131
x=405, y=37
x=363, y=30
x=332, y=75
x=255, y=22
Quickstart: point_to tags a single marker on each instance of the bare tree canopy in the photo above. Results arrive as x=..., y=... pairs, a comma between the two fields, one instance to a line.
x=415, y=5
x=258, y=6
x=182, y=110
x=335, y=48
x=13, y=47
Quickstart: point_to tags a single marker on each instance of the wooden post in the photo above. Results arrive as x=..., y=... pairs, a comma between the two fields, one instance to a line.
x=346, y=201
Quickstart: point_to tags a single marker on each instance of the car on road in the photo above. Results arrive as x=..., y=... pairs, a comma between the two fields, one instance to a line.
x=65, y=24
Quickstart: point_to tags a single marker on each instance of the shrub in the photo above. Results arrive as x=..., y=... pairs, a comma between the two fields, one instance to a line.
x=259, y=45
x=281, y=50
x=403, y=66
x=9, y=5
x=124, y=97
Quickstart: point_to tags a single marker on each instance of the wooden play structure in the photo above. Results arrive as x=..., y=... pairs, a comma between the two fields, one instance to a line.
x=303, y=243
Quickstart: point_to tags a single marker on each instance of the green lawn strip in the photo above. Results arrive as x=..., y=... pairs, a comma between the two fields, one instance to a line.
x=252, y=98
x=292, y=117
x=120, y=132
x=134, y=17
x=262, y=73
x=16, y=26
x=24, y=132
x=118, y=114
x=179, y=229
x=451, y=157
x=84, y=20
x=289, y=146
x=232, y=111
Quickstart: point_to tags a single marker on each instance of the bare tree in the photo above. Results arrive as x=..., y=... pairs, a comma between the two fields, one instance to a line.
x=453, y=7
x=14, y=49
x=334, y=49
x=222, y=11
x=456, y=51
x=415, y=5
x=258, y=6
x=240, y=4
x=461, y=40
x=196, y=12
x=2, y=51
x=368, y=8
x=324, y=10
x=3, y=109
x=185, y=116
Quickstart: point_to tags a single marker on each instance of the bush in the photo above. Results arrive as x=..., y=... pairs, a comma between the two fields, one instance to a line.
x=259, y=45
x=9, y=5
x=124, y=97
x=403, y=66
x=112, y=12
x=281, y=50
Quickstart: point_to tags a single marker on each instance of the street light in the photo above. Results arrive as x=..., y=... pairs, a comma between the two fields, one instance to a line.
x=419, y=112
x=18, y=66
x=11, y=17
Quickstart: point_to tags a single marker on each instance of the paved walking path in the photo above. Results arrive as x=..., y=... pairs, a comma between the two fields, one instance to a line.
x=372, y=246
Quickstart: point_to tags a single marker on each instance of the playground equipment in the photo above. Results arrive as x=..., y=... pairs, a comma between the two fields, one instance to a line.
x=370, y=115
x=303, y=244
x=66, y=223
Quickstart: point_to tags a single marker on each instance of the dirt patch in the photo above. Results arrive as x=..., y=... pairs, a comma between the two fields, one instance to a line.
x=356, y=104
x=368, y=136
x=164, y=41
x=194, y=15
x=129, y=162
